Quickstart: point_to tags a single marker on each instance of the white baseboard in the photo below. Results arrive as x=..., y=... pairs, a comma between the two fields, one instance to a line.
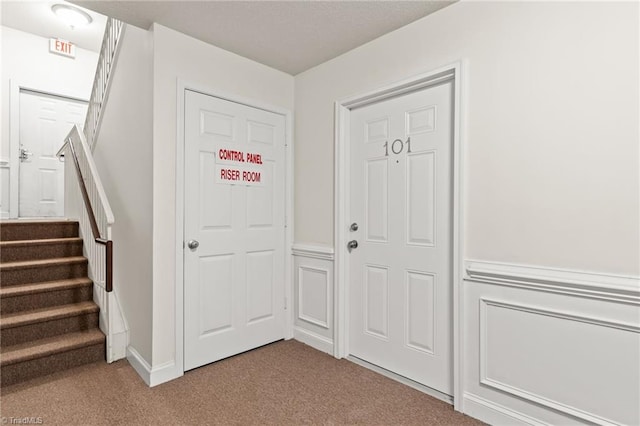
x=139, y=364
x=163, y=373
x=152, y=376
x=321, y=343
x=495, y=414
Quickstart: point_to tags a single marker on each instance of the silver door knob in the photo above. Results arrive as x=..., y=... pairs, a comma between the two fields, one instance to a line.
x=193, y=244
x=352, y=245
x=24, y=154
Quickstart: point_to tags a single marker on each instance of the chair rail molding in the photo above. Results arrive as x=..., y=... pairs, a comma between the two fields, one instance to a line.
x=313, y=251
x=610, y=287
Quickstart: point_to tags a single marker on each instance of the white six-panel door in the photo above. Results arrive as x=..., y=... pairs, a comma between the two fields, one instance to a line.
x=401, y=272
x=234, y=280
x=45, y=121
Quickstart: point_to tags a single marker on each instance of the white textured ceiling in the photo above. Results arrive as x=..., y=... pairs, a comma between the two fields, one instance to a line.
x=291, y=36
x=36, y=17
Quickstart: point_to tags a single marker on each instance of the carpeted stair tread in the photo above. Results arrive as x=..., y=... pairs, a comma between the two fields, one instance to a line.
x=48, y=314
x=44, y=287
x=17, y=250
x=45, y=241
x=48, y=320
x=11, y=230
x=29, y=264
x=42, y=270
x=52, y=345
x=27, y=222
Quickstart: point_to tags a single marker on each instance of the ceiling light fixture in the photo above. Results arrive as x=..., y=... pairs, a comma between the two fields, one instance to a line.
x=73, y=16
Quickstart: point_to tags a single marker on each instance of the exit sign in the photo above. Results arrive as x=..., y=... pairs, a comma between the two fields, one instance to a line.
x=62, y=47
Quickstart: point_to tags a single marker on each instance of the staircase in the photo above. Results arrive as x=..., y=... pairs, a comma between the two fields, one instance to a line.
x=48, y=320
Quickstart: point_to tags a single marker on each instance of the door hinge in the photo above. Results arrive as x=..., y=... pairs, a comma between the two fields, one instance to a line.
x=285, y=303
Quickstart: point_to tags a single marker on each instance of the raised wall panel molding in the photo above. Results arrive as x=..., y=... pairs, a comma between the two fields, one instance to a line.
x=5, y=176
x=527, y=394
x=615, y=288
x=634, y=328
x=313, y=251
x=305, y=316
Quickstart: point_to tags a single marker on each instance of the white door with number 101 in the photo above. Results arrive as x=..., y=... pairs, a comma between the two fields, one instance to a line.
x=401, y=270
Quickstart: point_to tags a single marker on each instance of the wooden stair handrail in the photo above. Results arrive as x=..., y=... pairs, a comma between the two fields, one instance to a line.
x=92, y=219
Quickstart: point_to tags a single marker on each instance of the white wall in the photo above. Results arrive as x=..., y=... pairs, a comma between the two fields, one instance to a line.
x=177, y=56
x=552, y=181
x=123, y=156
x=551, y=127
x=26, y=60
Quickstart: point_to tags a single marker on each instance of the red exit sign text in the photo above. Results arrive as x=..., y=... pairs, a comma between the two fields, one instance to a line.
x=62, y=47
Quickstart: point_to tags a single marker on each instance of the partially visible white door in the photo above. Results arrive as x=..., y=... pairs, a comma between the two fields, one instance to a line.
x=235, y=214
x=401, y=271
x=45, y=121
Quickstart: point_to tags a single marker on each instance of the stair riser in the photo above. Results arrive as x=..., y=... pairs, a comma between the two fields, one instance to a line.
x=19, y=372
x=37, y=231
x=40, y=251
x=33, y=290
x=9, y=305
x=42, y=273
x=41, y=330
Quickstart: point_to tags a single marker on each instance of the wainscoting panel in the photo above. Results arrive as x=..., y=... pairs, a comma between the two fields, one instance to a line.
x=550, y=346
x=4, y=188
x=313, y=296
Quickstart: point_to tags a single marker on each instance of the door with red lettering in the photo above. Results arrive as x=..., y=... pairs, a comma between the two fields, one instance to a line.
x=234, y=228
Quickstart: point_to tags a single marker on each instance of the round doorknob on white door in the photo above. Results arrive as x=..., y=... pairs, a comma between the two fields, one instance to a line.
x=193, y=244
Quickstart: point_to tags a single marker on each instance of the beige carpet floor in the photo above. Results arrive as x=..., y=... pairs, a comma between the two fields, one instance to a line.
x=280, y=384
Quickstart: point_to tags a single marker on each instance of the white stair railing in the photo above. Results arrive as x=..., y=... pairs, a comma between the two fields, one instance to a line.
x=100, y=90
x=88, y=202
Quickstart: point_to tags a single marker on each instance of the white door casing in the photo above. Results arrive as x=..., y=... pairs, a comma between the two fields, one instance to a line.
x=234, y=281
x=401, y=278
x=45, y=120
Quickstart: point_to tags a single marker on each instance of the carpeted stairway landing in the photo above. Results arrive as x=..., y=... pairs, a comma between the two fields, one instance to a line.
x=48, y=321
x=285, y=383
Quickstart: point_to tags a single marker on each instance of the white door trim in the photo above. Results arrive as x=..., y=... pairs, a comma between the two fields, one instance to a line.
x=341, y=207
x=15, y=86
x=182, y=86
